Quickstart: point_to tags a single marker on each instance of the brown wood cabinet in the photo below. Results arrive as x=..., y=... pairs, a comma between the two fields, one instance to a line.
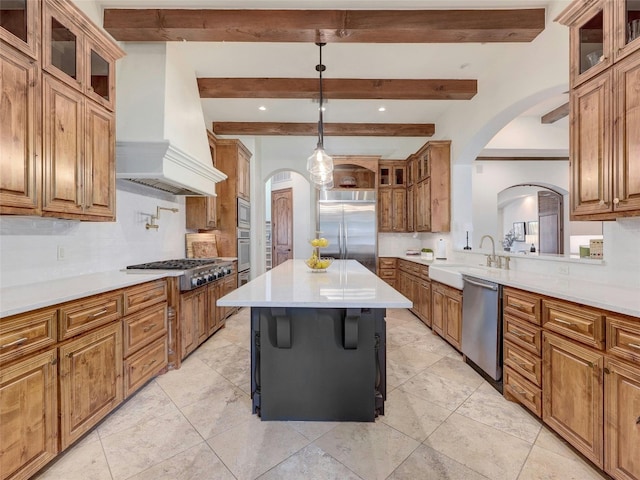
x=90, y=380
x=588, y=396
x=20, y=182
x=202, y=212
x=573, y=395
x=622, y=419
x=20, y=26
x=446, y=313
x=433, y=188
x=64, y=368
x=522, y=348
x=58, y=137
x=392, y=196
x=28, y=414
x=192, y=317
x=387, y=270
x=392, y=204
x=604, y=128
x=79, y=155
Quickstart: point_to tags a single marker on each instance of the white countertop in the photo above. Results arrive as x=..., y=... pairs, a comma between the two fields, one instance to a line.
x=616, y=298
x=23, y=298
x=345, y=284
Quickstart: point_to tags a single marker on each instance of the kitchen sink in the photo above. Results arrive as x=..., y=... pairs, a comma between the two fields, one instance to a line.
x=452, y=274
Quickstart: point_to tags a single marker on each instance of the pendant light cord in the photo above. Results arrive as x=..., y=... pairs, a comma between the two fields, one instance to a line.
x=320, y=67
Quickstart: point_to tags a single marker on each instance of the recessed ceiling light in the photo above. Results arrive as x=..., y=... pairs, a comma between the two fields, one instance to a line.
x=262, y=108
x=382, y=109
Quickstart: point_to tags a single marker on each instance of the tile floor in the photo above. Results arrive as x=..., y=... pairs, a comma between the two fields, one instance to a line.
x=443, y=421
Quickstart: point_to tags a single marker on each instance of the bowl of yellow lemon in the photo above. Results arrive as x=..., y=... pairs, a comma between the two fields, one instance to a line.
x=318, y=264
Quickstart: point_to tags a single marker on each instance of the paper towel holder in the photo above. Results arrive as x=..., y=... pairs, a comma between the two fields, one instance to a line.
x=441, y=250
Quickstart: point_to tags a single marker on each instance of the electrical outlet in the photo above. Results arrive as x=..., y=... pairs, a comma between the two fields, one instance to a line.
x=563, y=269
x=61, y=252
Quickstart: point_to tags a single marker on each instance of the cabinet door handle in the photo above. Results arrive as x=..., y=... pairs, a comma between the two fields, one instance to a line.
x=149, y=327
x=97, y=314
x=519, y=334
x=147, y=365
x=516, y=304
x=564, y=322
x=19, y=341
x=518, y=391
x=616, y=201
x=634, y=345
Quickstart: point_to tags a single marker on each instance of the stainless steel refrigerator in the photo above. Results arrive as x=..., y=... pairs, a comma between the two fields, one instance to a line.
x=347, y=218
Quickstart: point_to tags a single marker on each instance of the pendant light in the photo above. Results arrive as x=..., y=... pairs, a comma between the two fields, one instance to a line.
x=319, y=164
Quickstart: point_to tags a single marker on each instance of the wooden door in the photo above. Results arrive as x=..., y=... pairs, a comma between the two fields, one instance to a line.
x=399, y=210
x=28, y=415
x=622, y=419
x=591, y=117
x=99, y=163
x=282, y=224
x=550, y=221
x=573, y=394
x=63, y=138
x=627, y=135
x=91, y=382
x=453, y=317
x=62, y=46
x=20, y=173
x=384, y=209
x=423, y=206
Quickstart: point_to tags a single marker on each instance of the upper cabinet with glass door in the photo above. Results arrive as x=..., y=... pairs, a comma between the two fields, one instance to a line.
x=601, y=33
x=73, y=55
x=627, y=27
x=20, y=25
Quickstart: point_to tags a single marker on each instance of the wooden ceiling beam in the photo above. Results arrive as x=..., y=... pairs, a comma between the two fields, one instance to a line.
x=338, y=88
x=353, y=26
x=555, y=115
x=330, y=129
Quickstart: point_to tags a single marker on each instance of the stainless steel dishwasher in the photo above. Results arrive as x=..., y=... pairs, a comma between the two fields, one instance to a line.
x=482, y=325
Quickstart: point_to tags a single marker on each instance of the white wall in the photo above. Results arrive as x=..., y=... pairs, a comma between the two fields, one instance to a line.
x=302, y=221
x=29, y=245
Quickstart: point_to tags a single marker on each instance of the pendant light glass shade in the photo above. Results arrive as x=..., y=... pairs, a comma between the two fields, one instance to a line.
x=319, y=164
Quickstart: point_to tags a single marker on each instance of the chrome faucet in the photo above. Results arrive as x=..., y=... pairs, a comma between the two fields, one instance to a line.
x=490, y=258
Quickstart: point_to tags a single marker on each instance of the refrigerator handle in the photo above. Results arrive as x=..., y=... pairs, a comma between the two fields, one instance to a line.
x=340, y=241
x=346, y=240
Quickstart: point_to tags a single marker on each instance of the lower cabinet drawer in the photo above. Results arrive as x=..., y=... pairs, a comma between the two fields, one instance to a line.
x=623, y=338
x=387, y=273
x=523, y=334
x=27, y=333
x=144, y=365
x=88, y=313
x=525, y=363
x=141, y=327
x=523, y=391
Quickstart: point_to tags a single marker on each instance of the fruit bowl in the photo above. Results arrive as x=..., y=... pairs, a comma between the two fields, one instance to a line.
x=318, y=264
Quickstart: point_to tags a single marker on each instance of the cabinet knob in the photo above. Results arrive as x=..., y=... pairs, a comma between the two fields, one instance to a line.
x=616, y=201
x=603, y=203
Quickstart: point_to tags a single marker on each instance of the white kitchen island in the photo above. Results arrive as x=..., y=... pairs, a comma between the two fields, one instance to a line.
x=318, y=341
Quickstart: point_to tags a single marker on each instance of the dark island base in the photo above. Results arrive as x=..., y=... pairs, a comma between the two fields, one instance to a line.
x=322, y=364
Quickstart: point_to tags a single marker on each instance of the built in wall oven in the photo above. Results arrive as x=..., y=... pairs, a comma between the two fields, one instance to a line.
x=244, y=214
x=244, y=249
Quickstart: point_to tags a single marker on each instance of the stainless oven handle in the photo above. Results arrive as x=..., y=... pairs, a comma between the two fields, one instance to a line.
x=346, y=240
x=478, y=283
